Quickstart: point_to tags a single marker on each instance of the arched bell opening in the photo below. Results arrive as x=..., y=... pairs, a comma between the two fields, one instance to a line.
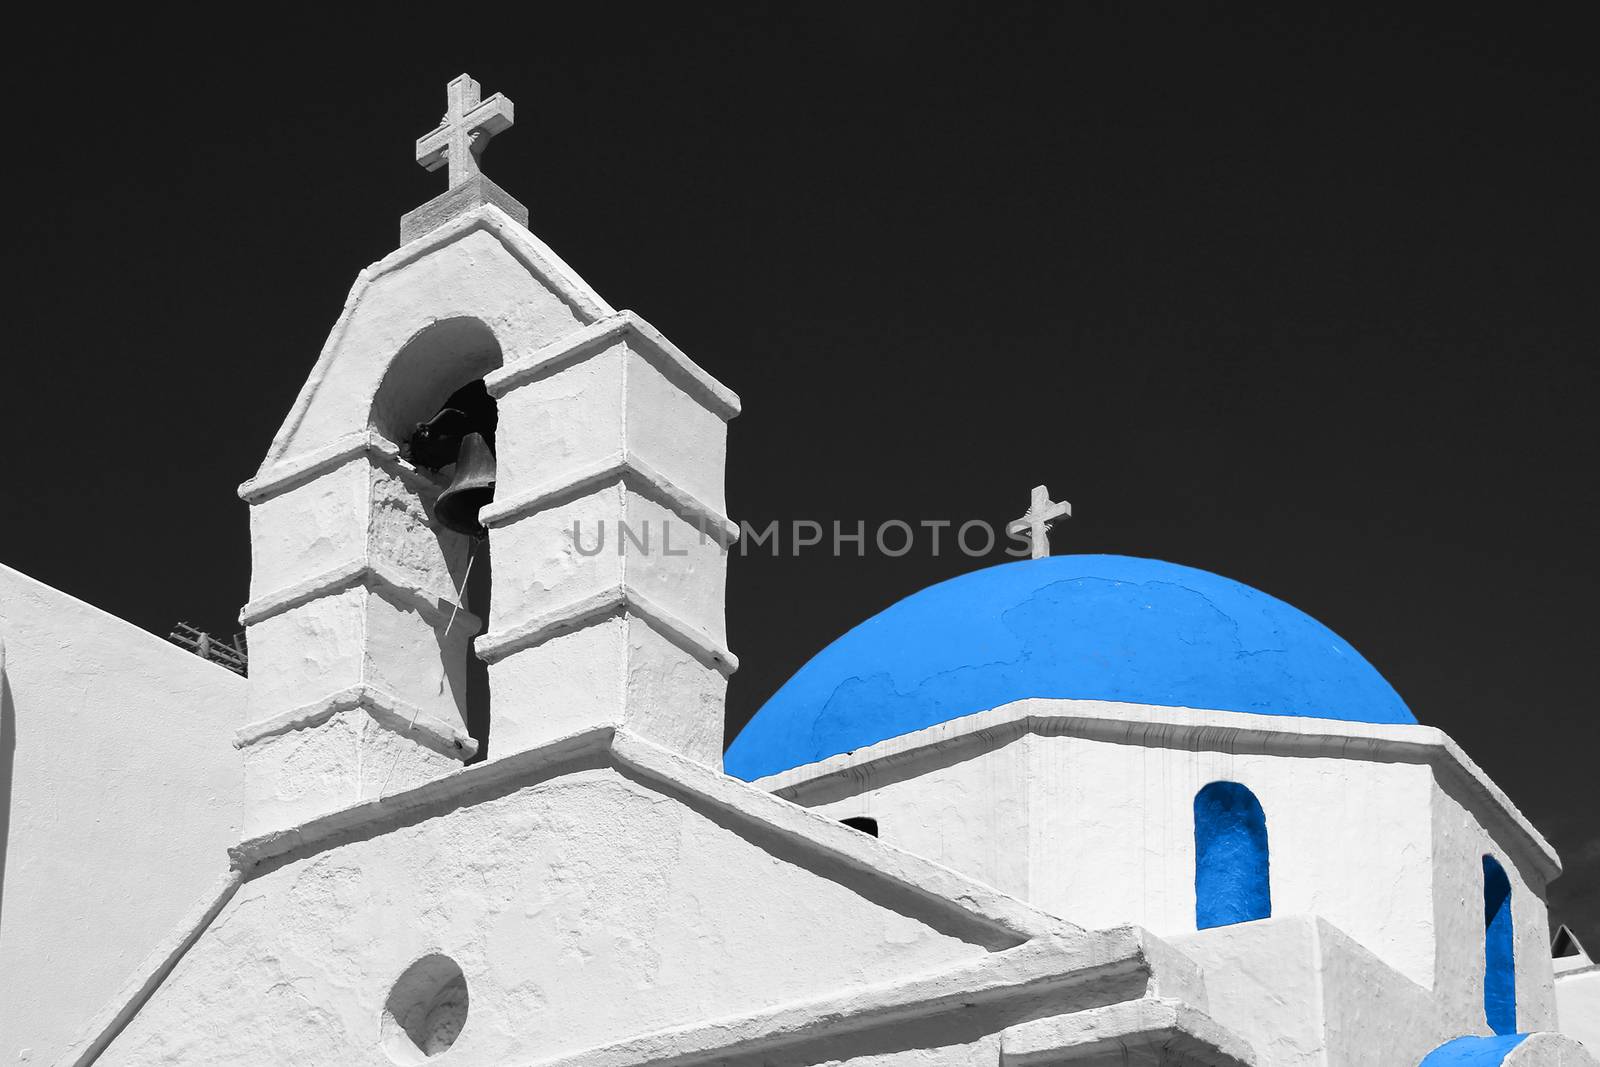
x=433, y=365
x=433, y=405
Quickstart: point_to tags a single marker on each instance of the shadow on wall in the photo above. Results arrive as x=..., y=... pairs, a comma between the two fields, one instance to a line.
x=477, y=680
x=8, y=753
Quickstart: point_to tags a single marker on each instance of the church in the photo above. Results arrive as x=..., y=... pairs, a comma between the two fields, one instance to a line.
x=470, y=805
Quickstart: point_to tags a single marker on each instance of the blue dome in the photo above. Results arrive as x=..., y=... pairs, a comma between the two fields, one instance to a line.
x=1086, y=627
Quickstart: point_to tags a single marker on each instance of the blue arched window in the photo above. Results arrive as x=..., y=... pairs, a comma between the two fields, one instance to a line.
x=1499, y=957
x=1231, y=880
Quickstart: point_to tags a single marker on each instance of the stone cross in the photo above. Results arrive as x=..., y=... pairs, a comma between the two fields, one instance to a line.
x=464, y=131
x=1036, y=523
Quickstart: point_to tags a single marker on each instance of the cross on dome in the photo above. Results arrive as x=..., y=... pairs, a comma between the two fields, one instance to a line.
x=1035, y=524
x=464, y=132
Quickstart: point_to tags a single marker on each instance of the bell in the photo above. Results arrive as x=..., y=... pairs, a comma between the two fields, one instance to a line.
x=471, y=488
x=435, y=443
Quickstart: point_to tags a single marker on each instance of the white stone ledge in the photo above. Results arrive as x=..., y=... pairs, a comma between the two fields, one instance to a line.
x=381, y=579
x=581, y=344
x=1046, y=967
x=1194, y=729
x=1154, y=1024
x=148, y=976
x=289, y=473
x=626, y=467
x=609, y=602
x=384, y=707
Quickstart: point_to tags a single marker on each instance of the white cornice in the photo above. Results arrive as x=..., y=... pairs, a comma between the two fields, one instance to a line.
x=650, y=343
x=385, y=709
x=614, y=600
x=375, y=575
x=293, y=472
x=624, y=467
x=1191, y=728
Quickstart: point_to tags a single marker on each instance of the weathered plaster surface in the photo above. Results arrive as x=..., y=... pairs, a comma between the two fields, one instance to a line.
x=119, y=796
x=1578, y=1006
x=582, y=890
x=348, y=757
x=320, y=550
x=711, y=920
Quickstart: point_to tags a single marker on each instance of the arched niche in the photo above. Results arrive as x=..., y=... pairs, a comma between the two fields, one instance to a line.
x=425, y=1011
x=1499, y=954
x=1232, y=868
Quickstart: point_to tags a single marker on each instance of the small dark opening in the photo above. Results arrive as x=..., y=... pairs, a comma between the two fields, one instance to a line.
x=1564, y=945
x=865, y=824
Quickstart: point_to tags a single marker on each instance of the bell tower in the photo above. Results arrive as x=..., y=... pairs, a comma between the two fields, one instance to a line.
x=368, y=512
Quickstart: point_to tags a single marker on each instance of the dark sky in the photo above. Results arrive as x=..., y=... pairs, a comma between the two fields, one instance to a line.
x=1305, y=299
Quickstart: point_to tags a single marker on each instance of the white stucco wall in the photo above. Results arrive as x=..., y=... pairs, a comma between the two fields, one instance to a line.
x=1114, y=830
x=582, y=909
x=119, y=795
x=1090, y=817
x=1578, y=1006
x=1102, y=833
